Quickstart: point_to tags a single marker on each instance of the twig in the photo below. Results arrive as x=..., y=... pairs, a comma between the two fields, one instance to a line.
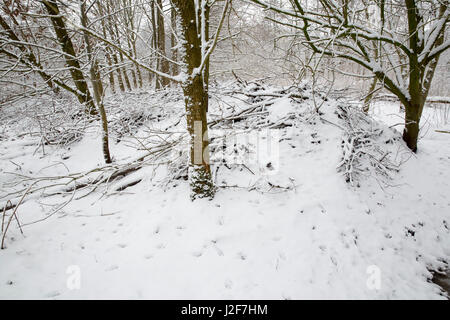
x=14, y=215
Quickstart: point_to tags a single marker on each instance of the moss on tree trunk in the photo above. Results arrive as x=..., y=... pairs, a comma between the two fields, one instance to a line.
x=196, y=100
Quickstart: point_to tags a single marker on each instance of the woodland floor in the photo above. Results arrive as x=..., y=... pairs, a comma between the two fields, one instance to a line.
x=287, y=229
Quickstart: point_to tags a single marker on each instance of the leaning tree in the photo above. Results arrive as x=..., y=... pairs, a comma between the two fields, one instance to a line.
x=399, y=42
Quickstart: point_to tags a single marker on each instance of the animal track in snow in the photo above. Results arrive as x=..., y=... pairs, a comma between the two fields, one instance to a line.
x=161, y=246
x=197, y=254
x=112, y=267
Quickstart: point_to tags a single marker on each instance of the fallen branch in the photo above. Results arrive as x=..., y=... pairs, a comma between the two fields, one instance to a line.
x=14, y=214
x=84, y=180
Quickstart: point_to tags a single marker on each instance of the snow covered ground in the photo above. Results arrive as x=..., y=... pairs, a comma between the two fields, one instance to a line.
x=296, y=232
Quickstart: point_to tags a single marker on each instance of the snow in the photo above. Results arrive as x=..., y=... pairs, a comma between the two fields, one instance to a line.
x=318, y=238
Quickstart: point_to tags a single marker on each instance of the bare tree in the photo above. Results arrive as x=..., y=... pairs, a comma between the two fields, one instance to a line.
x=196, y=50
x=163, y=63
x=96, y=81
x=69, y=54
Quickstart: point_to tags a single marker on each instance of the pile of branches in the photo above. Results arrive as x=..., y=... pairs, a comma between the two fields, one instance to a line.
x=128, y=112
x=254, y=99
x=55, y=120
x=368, y=149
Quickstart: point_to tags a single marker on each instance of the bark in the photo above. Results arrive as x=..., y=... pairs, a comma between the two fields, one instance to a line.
x=206, y=70
x=138, y=70
x=96, y=85
x=122, y=60
x=370, y=95
x=114, y=33
x=412, y=121
x=70, y=56
x=163, y=62
x=124, y=70
x=155, y=43
x=28, y=57
x=131, y=53
x=112, y=83
x=421, y=66
x=173, y=21
x=130, y=37
x=119, y=73
x=420, y=74
x=108, y=52
x=196, y=104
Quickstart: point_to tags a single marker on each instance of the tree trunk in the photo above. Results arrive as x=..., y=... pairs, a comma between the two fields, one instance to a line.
x=196, y=104
x=70, y=57
x=155, y=44
x=124, y=70
x=163, y=63
x=200, y=171
x=108, y=51
x=119, y=73
x=173, y=22
x=369, y=96
x=115, y=36
x=411, y=131
x=111, y=73
x=96, y=85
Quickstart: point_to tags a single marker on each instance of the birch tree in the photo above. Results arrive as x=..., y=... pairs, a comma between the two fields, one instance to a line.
x=163, y=63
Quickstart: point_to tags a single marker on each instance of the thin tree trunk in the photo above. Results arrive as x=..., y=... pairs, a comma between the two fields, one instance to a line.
x=70, y=56
x=108, y=52
x=415, y=103
x=119, y=73
x=112, y=83
x=370, y=95
x=28, y=57
x=196, y=104
x=206, y=70
x=411, y=131
x=163, y=63
x=114, y=32
x=96, y=85
x=123, y=68
x=155, y=43
x=173, y=21
x=133, y=73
